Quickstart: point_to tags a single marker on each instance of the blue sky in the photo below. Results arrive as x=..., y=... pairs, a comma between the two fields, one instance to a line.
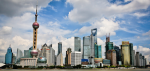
x=61, y=20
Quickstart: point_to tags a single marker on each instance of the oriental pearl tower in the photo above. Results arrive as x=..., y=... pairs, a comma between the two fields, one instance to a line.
x=35, y=26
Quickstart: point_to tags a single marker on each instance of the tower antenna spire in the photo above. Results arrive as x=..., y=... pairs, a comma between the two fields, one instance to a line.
x=36, y=12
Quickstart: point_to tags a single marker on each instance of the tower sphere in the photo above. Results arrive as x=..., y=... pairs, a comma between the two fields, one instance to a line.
x=34, y=52
x=35, y=25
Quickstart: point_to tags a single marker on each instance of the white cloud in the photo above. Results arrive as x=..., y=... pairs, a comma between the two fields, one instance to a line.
x=138, y=37
x=103, y=26
x=19, y=7
x=147, y=33
x=129, y=31
x=6, y=30
x=87, y=10
x=140, y=14
x=127, y=0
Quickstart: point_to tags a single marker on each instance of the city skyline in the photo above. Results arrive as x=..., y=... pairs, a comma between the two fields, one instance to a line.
x=59, y=22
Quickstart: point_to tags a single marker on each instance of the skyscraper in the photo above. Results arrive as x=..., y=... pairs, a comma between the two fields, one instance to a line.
x=93, y=38
x=35, y=26
x=52, y=55
x=111, y=55
x=137, y=59
x=77, y=44
x=68, y=57
x=131, y=54
x=109, y=45
x=125, y=52
x=98, y=51
x=86, y=47
x=118, y=54
x=59, y=58
x=9, y=56
x=45, y=53
x=19, y=55
x=59, y=48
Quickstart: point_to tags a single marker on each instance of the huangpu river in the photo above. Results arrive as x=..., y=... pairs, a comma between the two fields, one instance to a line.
x=75, y=70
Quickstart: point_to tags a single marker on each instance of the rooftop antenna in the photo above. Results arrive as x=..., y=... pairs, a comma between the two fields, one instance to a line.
x=109, y=34
x=10, y=45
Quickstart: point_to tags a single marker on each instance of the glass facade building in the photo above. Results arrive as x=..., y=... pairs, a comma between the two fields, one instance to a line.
x=98, y=51
x=9, y=56
x=131, y=54
x=109, y=46
x=93, y=40
x=118, y=54
x=77, y=44
x=27, y=54
x=19, y=55
x=59, y=48
x=86, y=47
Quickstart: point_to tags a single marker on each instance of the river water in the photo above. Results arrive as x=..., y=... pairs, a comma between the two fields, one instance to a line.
x=77, y=70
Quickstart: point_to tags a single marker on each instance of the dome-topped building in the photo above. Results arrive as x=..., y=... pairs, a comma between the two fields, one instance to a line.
x=41, y=61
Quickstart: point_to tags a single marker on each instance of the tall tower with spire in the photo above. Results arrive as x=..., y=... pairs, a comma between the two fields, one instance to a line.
x=35, y=26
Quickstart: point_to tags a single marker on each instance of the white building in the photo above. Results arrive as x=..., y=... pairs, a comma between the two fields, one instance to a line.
x=52, y=55
x=28, y=62
x=76, y=58
x=45, y=53
x=59, y=61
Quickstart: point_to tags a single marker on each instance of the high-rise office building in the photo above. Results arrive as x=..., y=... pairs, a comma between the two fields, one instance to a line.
x=141, y=61
x=111, y=55
x=86, y=47
x=9, y=56
x=59, y=48
x=125, y=52
x=68, y=57
x=137, y=59
x=45, y=52
x=52, y=55
x=134, y=59
x=19, y=55
x=98, y=51
x=118, y=54
x=143, y=57
x=77, y=44
x=27, y=53
x=109, y=45
x=59, y=60
x=93, y=39
x=131, y=54
x=76, y=58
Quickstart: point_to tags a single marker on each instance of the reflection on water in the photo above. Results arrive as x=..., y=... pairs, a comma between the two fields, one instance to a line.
x=78, y=70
